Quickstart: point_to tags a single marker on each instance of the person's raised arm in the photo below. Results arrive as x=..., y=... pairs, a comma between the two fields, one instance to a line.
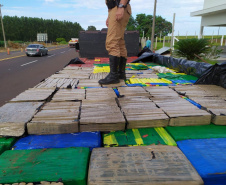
x=121, y=9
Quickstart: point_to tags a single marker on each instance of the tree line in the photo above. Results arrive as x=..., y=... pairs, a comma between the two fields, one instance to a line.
x=26, y=29
x=143, y=23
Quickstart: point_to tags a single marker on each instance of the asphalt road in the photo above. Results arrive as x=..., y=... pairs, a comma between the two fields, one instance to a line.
x=19, y=72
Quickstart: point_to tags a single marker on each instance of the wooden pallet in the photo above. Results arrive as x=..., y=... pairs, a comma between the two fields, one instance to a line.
x=88, y=83
x=98, y=76
x=14, y=116
x=133, y=91
x=216, y=106
x=80, y=71
x=69, y=95
x=219, y=117
x=58, y=82
x=161, y=92
x=55, y=118
x=141, y=112
x=76, y=67
x=132, y=71
x=34, y=94
x=147, y=75
x=70, y=67
x=180, y=111
x=183, y=113
x=214, y=89
x=100, y=93
x=151, y=165
x=101, y=115
x=193, y=91
x=71, y=76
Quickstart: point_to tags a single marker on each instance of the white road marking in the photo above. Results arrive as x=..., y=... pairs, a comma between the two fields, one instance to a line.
x=62, y=52
x=29, y=63
x=51, y=55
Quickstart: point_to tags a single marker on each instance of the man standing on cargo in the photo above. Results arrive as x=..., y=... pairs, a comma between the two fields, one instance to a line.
x=119, y=12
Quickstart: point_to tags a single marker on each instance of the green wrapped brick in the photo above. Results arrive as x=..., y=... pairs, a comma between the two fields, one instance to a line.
x=152, y=64
x=68, y=165
x=2, y=148
x=9, y=141
x=197, y=132
x=177, y=76
x=115, y=138
x=138, y=137
x=6, y=143
x=101, y=65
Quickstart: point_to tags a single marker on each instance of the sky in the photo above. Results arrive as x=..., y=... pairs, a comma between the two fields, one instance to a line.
x=94, y=12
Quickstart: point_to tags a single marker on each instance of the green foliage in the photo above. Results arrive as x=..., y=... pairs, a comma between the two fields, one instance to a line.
x=2, y=44
x=26, y=28
x=18, y=41
x=188, y=48
x=214, y=52
x=60, y=39
x=143, y=22
x=91, y=28
x=131, y=26
x=63, y=42
x=161, y=25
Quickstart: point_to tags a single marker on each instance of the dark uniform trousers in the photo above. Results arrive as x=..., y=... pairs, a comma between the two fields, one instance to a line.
x=115, y=43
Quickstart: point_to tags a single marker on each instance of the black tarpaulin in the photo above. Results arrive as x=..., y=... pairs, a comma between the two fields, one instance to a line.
x=181, y=65
x=76, y=61
x=214, y=75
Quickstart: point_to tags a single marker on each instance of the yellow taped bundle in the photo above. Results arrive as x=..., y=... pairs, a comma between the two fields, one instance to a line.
x=136, y=64
x=148, y=80
x=104, y=69
x=138, y=137
x=178, y=73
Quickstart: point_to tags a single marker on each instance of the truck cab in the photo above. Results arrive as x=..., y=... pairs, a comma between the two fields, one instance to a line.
x=72, y=42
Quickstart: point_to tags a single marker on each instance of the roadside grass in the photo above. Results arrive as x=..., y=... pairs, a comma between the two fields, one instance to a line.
x=213, y=62
x=160, y=45
x=193, y=36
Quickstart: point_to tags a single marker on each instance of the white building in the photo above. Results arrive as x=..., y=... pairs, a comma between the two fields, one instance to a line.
x=213, y=14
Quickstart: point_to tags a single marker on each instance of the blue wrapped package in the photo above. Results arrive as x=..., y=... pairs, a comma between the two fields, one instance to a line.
x=83, y=139
x=117, y=92
x=208, y=157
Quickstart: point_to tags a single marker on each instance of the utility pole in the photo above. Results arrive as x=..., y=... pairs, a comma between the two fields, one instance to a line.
x=160, y=36
x=164, y=40
x=171, y=45
x=212, y=37
x=2, y=26
x=219, y=31
x=153, y=27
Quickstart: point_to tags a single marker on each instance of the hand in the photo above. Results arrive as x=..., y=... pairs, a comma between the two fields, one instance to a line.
x=107, y=22
x=119, y=14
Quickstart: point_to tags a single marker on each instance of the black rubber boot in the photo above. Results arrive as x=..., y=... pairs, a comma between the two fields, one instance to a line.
x=112, y=77
x=122, y=68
